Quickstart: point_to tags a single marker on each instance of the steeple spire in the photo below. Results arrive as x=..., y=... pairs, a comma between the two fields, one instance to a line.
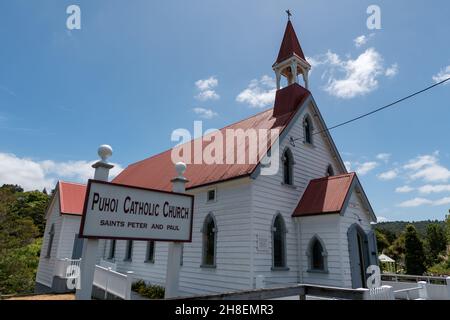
x=291, y=61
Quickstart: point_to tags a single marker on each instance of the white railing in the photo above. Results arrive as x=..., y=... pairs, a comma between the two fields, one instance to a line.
x=407, y=286
x=380, y=293
x=64, y=267
x=108, y=264
x=421, y=291
x=113, y=282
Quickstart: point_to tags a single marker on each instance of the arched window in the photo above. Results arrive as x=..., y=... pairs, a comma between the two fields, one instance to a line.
x=279, y=242
x=307, y=128
x=51, y=236
x=317, y=255
x=330, y=171
x=209, y=241
x=288, y=164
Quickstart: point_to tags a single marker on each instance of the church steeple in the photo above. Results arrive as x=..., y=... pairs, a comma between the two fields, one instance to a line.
x=291, y=61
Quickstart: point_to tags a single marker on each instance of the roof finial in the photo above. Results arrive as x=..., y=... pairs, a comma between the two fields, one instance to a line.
x=289, y=14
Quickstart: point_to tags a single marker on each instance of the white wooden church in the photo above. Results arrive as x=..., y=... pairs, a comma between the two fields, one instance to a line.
x=310, y=223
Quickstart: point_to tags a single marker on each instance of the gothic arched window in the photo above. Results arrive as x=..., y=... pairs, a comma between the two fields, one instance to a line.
x=51, y=236
x=209, y=241
x=288, y=164
x=330, y=171
x=279, y=242
x=307, y=128
x=317, y=255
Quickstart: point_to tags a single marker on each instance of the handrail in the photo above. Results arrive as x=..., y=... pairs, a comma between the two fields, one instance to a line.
x=414, y=278
x=280, y=292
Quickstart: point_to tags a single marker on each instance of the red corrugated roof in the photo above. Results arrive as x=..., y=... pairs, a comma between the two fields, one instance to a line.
x=71, y=197
x=325, y=195
x=290, y=45
x=157, y=171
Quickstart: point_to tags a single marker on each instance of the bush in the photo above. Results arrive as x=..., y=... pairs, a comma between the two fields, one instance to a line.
x=440, y=269
x=150, y=291
x=18, y=269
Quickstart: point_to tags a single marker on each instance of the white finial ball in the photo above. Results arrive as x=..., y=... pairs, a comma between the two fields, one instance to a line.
x=180, y=167
x=105, y=151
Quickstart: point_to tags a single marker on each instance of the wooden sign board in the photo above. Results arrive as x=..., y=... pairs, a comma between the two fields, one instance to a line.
x=114, y=211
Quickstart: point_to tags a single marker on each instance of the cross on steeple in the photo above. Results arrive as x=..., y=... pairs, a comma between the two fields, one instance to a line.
x=289, y=14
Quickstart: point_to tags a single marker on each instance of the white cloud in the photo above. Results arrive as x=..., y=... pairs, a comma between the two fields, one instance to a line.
x=358, y=77
x=388, y=175
x=384, y=156
x=392, y=71
x=259, y=93
x=207, y=95
x=206, y=88
x=348, y=165
x=416, y=202
x=382, y=219
x=361, y=76
x=434, y=172
x=207, y=84
x=442, y=75
x=37, y=175
x=404, y=189
x=361, y=40
x=442, y=202
x=427, y=189
x=420, y=162
x=364, y=168
x=427, y=168
x=205, y=113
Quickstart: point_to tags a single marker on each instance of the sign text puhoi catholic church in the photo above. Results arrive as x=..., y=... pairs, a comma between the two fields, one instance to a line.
x=122, y=212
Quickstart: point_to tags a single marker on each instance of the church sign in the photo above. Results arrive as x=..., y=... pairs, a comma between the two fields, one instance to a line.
x=114, y=211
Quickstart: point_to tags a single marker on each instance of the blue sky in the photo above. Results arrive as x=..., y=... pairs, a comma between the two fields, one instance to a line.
x=131, y=75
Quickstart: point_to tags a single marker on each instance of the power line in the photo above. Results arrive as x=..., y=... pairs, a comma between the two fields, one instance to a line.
x=384, y=107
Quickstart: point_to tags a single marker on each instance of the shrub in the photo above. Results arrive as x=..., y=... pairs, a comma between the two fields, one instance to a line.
x=150, y=291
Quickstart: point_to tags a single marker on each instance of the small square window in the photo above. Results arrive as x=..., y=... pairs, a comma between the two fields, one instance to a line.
x=211, y=195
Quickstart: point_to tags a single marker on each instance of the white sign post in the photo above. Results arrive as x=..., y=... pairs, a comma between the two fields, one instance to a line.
x=114, y=211
x=175, y=248
x=90, y=247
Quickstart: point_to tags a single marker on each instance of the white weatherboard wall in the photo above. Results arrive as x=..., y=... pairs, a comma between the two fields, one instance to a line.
x=232, y=215
x=270, y=196
x=326, y=227
x=70, y=228
x=46, y=266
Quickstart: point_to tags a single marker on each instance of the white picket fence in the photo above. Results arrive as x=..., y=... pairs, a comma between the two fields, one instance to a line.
x=113, y=282
x=106, y=277
x=64, y=267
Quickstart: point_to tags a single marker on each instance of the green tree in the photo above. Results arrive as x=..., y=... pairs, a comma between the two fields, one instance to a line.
x=19, y=249
x=414, y=253
x=18, y=268
x=382, y=241
x=397, y=250
x=447, y=227
x=32, y=205
x=436, y=243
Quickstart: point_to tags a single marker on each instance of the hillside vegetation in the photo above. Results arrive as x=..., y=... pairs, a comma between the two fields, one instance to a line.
x=417, y=247
x=21, y=229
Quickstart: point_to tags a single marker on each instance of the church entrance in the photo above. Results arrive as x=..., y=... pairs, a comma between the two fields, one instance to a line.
x=358, y=245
